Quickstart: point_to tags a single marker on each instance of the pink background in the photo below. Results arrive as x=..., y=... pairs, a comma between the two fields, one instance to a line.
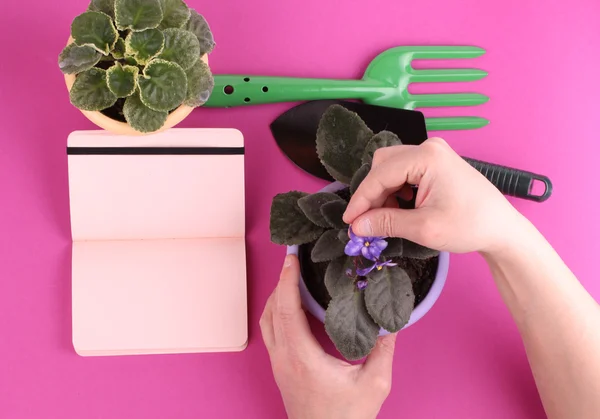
x=464, y=359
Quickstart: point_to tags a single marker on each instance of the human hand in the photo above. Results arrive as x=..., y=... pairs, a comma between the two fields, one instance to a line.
x=457, y=208
x=313, y=384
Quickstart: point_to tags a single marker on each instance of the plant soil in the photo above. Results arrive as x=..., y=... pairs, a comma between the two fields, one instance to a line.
x=116, y=111
x=421, y=272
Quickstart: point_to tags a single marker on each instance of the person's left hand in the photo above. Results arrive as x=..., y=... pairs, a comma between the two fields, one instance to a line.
x=314, y=384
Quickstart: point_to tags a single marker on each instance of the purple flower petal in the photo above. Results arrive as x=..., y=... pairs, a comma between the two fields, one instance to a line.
x=353, y=248
x=366, y=252
x=379, y=244
x=371, y=253
x=349, y=272
x=355, y=238
x=380, y=265
x=369, y=247
x=366, y=271
x=375, y=252
x=361, y=285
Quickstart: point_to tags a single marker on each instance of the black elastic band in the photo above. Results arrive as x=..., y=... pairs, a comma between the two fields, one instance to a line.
x=132, y=151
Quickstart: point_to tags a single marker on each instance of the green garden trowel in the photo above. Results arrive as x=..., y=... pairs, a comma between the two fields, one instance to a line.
x=385, y=83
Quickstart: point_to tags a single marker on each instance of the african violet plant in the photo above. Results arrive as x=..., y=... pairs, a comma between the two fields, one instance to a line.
x=368, y=289
x=138, y=60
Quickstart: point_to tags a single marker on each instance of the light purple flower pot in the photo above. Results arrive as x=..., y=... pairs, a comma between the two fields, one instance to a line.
x=419, y=311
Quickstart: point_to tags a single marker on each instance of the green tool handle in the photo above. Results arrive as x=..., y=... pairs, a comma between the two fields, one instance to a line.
x=236, y=90
x=239, y=90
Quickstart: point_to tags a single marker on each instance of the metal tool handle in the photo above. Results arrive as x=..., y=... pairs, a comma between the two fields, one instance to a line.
x=513, y=182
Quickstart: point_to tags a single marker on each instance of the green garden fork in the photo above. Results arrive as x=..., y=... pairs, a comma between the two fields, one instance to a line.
x=385, y=83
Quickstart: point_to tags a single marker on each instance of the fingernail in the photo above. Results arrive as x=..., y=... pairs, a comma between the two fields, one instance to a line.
x=345, y=216
x=365, y=228
x=287, y=261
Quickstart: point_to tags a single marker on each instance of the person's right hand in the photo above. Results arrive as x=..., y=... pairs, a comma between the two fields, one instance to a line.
x=457, y=208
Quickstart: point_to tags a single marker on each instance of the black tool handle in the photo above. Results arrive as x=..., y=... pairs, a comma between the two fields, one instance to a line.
x=513, y=182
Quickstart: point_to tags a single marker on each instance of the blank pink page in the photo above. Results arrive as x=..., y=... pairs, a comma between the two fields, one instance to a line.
x=159, y=296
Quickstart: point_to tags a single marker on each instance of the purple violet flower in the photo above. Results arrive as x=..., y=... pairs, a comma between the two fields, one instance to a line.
x=369, y=247
x=377, y=265
x=361, y=285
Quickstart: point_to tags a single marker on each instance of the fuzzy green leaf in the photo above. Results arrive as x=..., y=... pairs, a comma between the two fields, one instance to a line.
x=413, y=250
x=200, y=84
x=343, y=236
x=395, y=248
x=288, y=224
x=144, y=45
x=350, y=327
x=311, y=206
x=389, y=298
x=333, y=212
x=181, y=47
x=359, y=176
x=341, y=140
x=328, y=247
x=122, y=80
x=337, y=280
x=90, y=91
x=95, y=29
x=163, y=85
x=75, y=59
x=131, y=61
x=380, y=140
x=138, y=15
x=118, y=51
x=199, y=27
x=104, y=6
x=140, y=117
x=175, y=14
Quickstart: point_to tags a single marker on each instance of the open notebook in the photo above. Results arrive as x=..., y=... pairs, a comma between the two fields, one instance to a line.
x=158, y=224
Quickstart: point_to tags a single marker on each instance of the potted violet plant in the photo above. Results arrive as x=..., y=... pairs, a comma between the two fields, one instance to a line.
x=137, y=67
x=360, y=287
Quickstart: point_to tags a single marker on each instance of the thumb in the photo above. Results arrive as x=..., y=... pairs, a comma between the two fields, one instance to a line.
x=380, y=361
x=288, y=294
x=390, y=222
x=289, y=320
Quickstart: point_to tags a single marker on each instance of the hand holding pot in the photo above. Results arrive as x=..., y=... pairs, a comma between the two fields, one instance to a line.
x=314, y=384
x=457, y=208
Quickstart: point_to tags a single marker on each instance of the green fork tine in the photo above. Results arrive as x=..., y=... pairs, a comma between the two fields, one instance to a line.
x=449, y=75
x=455, y=123
x=448, y=99
x=385, y=83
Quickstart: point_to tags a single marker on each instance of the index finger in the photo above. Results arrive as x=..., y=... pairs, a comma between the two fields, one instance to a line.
x=385, y=178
